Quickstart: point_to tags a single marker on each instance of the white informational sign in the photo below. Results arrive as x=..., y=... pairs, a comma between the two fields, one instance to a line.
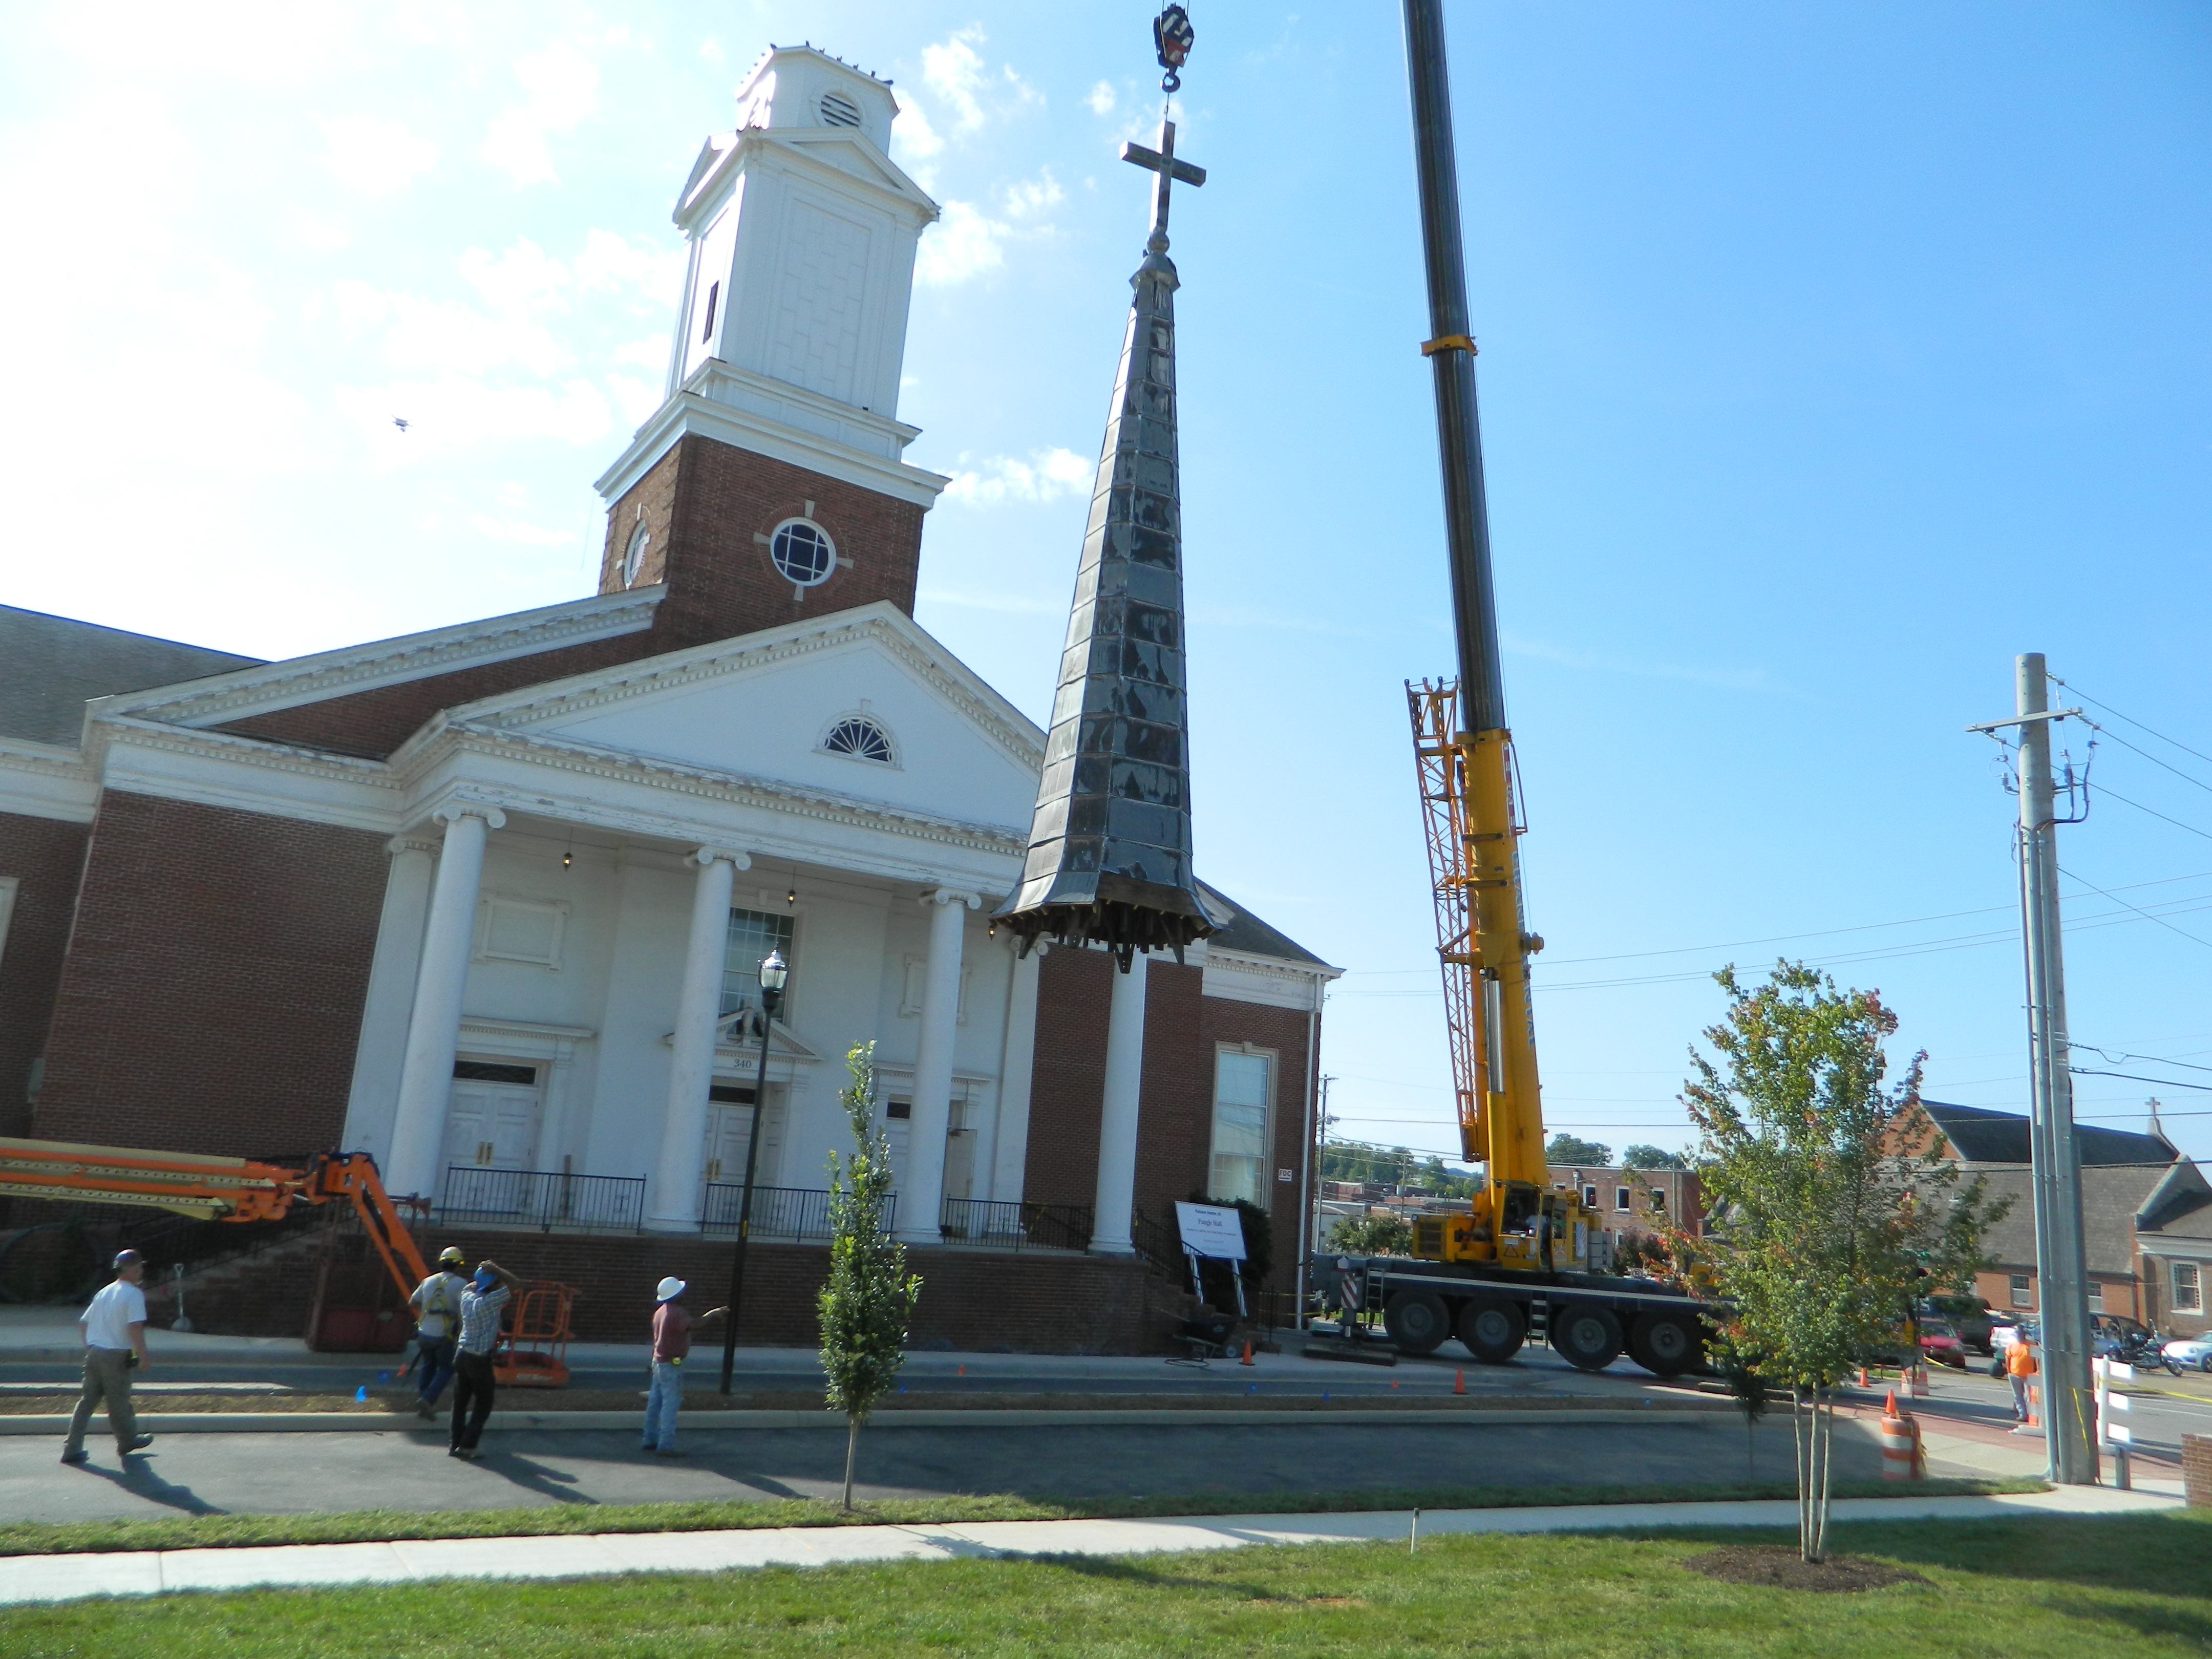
x=1211, y=1229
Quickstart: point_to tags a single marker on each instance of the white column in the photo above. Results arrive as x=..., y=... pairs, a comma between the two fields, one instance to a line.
x=921, y=1182
x=1117, y=1117
x=434, y=1028
x=674, y=1206
x=374, y=1096
x=1009, y=1158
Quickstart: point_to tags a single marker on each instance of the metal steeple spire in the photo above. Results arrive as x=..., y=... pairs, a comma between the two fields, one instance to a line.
x=1109, y=856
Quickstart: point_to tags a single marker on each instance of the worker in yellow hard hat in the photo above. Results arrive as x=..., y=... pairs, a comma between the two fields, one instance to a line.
x=437, y=1304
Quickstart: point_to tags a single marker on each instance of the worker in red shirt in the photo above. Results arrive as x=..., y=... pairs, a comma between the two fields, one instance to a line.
x=2021, y=1366
x=672, y=1324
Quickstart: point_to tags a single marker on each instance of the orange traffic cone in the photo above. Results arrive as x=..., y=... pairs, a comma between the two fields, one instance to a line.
x=1458, y=1381
x=1864, y=1381
x=1248, y=1352
x=963, y=1370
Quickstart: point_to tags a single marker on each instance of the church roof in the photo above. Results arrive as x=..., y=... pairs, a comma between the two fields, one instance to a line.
x=56, y=664
x=1979, y=1135
x=1246, y=933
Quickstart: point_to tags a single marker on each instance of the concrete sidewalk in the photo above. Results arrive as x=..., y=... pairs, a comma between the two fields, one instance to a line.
x=151, y=1572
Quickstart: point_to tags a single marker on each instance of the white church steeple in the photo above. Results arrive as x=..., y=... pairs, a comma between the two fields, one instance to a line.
x=801, y=234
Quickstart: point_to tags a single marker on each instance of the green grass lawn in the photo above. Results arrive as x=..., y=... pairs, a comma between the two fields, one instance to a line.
x=2011, y=1590
x=375, y=1526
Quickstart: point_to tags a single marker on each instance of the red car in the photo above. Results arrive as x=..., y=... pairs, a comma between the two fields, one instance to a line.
x=1940, y=1344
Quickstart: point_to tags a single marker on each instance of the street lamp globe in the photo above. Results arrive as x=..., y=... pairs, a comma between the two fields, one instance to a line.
x=773, y=971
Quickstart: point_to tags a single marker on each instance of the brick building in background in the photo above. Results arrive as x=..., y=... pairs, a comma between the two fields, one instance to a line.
x=2146, y=1217
x=447, y=897
x=1636, y=1203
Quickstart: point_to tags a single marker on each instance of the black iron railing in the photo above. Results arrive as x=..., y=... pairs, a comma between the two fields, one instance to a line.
x=1005, y=1225
x=545, y=1199
x=797, y=1213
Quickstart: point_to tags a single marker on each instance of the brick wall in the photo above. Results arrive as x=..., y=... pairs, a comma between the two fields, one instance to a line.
x=1174, y=1143
x=973, y=1301
x=721, y=582
x=703, y=503
x=1067, y=1086
x=45, y=855
x=211, y=1000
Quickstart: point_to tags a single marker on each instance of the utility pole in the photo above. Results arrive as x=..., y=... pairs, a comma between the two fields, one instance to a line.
x=2062, y=1287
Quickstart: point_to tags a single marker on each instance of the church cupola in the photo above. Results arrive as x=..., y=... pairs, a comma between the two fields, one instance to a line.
x=772, y=478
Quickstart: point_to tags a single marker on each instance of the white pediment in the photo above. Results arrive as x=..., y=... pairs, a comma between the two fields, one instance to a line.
x=764, y=707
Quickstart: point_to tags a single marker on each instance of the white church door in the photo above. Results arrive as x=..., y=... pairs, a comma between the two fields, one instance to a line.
x=729, y=1128
x=959, y=1152
x=491, y=1126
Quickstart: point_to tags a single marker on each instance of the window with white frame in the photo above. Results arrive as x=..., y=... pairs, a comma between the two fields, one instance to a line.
x=2096, y=1296
x=1243, y=1090
x=512, y=929
x=1658, y=1201
x=753, y=935
x=1623, y=1199
x=2022, y=1295
x=2188, y=1287
x=1590, y=1198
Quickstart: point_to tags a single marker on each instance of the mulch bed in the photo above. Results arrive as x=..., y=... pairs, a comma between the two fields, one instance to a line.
x=1781, y=1568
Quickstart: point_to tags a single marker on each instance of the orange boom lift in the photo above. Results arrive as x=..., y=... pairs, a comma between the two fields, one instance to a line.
x=238, y=1189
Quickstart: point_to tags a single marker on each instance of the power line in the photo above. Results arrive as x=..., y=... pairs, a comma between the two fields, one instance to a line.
x=2132, y=720
x=2145, y=914
x=2116, y=795
x=2163, y=1082
x=2153, y=759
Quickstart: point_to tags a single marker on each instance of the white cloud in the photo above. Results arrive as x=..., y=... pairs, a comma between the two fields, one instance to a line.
x=710, y=49
x=445, y=335
x=961, y=244
x=1048, y=475
x=637, y=398
x=914, y=141
x=1036, y=196
x=563, y=86
x=514, y=531
x=612, y=262
x=954, y=70
x=375, y=155
x=651, y=352
x=1101, y=98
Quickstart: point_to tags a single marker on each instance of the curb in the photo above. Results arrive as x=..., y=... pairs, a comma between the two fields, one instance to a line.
x=408, y=1423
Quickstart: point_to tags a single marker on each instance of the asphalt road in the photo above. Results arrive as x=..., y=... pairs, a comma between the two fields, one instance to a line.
x=297, y=1474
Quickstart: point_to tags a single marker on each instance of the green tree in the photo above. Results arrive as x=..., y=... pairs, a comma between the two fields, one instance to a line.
x=870, y=1296
x=1572, y=1149
x=1371, y=1235
x=1641, y=1156
x=1826, y=1197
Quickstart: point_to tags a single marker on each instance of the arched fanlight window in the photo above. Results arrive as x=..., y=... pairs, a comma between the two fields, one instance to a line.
x=861, y=738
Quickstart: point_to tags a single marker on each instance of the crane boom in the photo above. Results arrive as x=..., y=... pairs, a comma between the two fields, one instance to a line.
x=1464, y=751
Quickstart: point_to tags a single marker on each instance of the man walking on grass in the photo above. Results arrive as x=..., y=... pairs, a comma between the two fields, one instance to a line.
x=672, y=1324
x=114, y=1331
x=437, y=1304
x=482, y=1304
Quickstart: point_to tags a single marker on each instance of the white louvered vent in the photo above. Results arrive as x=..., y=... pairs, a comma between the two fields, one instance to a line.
x=839, y=110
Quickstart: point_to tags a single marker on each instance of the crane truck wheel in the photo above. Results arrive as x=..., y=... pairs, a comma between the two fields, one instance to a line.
x=1416, y=1321
x=1491, y=1328
x=1586, y=1335
x=1664, y=1343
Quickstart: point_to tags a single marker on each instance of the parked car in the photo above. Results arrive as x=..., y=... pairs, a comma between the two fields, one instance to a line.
x=1974, y=1320
x=1939, y=1342
x=2192, y=1353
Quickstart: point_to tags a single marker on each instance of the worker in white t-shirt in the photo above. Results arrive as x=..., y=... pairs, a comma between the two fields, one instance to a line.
x=114, y=1328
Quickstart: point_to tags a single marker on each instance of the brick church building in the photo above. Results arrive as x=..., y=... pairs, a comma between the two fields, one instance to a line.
x=488, y=901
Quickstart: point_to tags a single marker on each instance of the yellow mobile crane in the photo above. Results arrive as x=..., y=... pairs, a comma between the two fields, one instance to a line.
x=1526, y=1258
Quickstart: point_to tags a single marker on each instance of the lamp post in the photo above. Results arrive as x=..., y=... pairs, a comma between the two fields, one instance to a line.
x=773, y=973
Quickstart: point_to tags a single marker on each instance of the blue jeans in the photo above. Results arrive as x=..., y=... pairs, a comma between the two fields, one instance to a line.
x=435, y=1362
x=661, y=1402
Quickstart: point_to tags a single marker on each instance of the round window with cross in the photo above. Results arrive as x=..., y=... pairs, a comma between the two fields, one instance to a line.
x=803, y=552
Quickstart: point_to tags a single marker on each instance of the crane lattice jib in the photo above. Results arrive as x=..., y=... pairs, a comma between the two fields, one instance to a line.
x=1435, y=711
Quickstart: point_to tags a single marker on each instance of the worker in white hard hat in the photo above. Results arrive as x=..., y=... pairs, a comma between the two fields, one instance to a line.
x=114, y=1332
x=672, y=1324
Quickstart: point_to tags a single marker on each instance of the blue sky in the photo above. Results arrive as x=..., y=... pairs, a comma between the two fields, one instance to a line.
x=1830, y=356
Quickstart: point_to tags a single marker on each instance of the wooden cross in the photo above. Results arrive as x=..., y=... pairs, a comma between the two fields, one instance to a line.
x=1167, y=168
